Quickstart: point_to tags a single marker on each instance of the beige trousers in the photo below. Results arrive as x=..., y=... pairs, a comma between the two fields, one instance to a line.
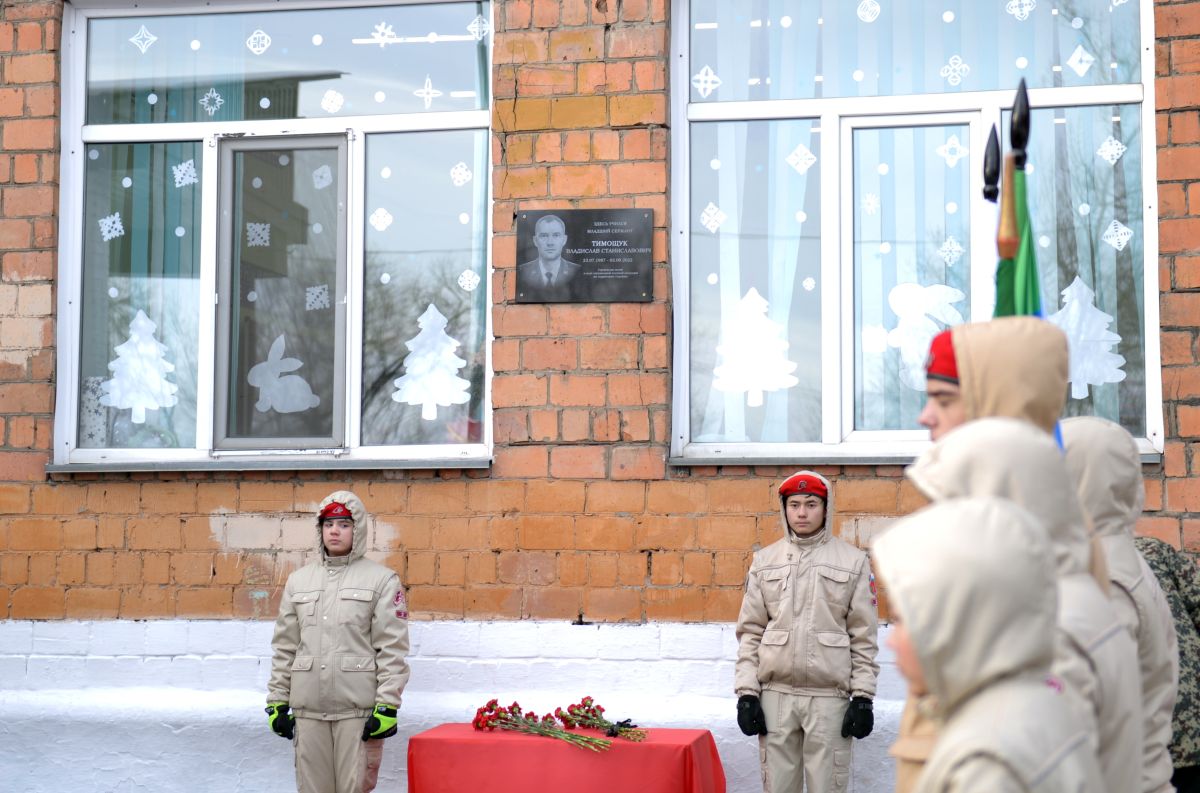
x=804, y=748
x=332, y=757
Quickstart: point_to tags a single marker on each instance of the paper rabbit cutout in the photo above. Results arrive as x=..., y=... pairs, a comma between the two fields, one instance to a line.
x=290, y=394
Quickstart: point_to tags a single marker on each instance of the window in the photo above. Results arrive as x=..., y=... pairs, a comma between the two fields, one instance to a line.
x=275, y=236
x=829, y=220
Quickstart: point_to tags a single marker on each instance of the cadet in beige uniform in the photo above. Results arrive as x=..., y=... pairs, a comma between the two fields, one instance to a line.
x=338, y=666
x=975, y=638
x=1014, y=367
x=1095, y=654
x=1106, y=468
x=806, y=644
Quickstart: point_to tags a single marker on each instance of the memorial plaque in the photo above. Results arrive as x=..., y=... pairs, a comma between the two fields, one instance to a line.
x=585, y=256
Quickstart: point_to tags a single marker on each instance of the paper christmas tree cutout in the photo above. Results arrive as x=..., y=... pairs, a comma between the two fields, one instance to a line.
x=752, y=357
x=139, y=380
x=1089, y=340
x=429, y=379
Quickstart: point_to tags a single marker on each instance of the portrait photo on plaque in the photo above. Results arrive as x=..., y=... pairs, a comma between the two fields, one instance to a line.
x=585, y=256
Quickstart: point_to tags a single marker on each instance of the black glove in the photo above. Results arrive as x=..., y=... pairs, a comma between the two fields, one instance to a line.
x=282, y=722
x=381, y=723
x=860, y=718
x=751, y=719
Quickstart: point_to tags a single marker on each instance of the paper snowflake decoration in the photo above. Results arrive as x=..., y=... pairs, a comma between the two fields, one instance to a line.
x=955, y=70
x=383, y=34
x=479, y=27
x=1080, y=61
x=468, y=280
x=1117, y=235
x=809, y=284
x=952, y=151
x=460, y=174
x=212, y=101
x=185, y=173
x=712, y=217
x=1111, y=150
x=427, y=92
x=332, y=101
x=322, y=177
x=801, y=159
x=258, y=42
x=951, y=251
x=316, y=297
x=870, y=203
x=380, y=219
x=143, y=39
x=258, y=235
x=110, y=227
x=868, y=10
x=706, y=81
x=1020, y=8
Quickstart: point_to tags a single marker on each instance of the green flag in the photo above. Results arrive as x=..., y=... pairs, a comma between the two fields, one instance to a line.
x=1018, y=292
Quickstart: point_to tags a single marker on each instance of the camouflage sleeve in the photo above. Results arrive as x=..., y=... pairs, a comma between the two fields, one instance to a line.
x=1186, y=576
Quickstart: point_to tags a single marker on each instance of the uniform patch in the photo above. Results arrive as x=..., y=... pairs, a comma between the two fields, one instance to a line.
x=401, y=604
x=874, y=592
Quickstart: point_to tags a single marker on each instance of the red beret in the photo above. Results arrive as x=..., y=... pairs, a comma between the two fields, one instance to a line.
x=804, y=484
x=941, y=365
x=335, y=509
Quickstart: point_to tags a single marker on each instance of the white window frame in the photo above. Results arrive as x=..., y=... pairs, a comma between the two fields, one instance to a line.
x=205, y=455
x=840, y=443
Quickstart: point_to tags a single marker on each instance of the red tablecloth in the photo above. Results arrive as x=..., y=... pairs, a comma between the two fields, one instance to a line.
x=456, y=758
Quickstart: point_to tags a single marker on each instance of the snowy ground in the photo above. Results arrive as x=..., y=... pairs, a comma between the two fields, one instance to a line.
x=156, y=706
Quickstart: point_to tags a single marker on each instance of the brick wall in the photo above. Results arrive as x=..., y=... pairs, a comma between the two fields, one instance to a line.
x=580, y=514
x=1173, y=488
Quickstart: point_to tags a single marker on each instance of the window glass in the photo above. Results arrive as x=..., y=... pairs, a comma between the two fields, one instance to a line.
x=755, y=307
x=783, y=49
x=285, y=332
x=138, y=338
x=1085, y=197
x=912, y=254
x=425, y=288
x=287, y=64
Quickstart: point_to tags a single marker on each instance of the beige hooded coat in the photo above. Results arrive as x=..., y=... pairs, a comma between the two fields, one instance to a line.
x=808, y=622
x=1095, y=654
x=1104, y=463
x=979, y=608
x=1014, y=367
x=341, y=638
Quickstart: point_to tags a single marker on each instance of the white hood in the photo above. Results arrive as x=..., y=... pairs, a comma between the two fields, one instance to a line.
x=973, y=582
x=1012, y=459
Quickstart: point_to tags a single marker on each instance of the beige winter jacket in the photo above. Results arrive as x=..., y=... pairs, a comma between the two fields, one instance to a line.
x=342, y=634
x=979, y=608
x=1095, y=654
x=808, y=622
x=1104, y=463
x=1014, y=367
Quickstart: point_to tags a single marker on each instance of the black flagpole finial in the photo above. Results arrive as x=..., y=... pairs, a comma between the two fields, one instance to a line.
x=1020, y=124
x=991, y=167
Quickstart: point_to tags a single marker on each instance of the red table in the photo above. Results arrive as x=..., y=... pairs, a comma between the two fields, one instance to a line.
x=456, y=758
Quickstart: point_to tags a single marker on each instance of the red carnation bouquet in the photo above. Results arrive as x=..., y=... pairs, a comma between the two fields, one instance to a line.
x=586, y=713
x=491, y=717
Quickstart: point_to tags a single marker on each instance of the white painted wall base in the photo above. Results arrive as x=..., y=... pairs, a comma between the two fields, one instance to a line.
x=177, y=705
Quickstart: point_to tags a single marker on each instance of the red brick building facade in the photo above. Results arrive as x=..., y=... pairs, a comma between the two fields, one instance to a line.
x=579, y=515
